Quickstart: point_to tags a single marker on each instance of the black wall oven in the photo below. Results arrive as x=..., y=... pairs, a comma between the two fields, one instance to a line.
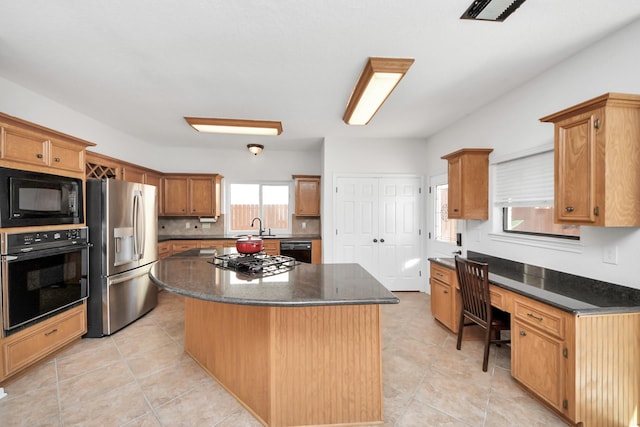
x=43, y=273
x=34, y=199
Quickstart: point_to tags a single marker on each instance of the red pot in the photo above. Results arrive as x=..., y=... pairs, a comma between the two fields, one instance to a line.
x=249, y=245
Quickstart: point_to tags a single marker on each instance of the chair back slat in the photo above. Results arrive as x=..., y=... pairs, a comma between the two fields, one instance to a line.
x=473, y=278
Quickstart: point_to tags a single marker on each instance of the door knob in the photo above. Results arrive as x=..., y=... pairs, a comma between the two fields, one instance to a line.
x=375, y=240
x=381, y=240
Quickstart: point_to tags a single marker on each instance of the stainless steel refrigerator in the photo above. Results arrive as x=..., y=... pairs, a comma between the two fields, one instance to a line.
x=122, y=219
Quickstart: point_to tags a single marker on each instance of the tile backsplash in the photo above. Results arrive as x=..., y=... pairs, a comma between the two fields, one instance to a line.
x=183, y=226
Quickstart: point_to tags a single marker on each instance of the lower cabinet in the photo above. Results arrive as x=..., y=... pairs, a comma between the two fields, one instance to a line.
x=539, y=353
x=444, y=304
x=30, y=345
x=271, y=247
x=164, y=249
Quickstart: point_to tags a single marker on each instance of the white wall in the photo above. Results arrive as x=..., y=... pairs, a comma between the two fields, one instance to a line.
x=510, y=125
x=237, y=165
x=364, y=156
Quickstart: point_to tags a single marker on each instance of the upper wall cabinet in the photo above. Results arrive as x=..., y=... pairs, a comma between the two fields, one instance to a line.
x=597, y=159
x=307, y=188
x=468, y=195
x=25, y=145
x=191, y=194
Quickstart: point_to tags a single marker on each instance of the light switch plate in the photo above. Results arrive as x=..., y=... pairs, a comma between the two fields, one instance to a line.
x=610, y=254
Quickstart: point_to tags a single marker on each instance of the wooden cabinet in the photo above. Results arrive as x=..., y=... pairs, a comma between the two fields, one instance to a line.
x=34, y=343
x=443, y=296
x=134, y=174
x=191, y=195
x=468, y=180
x=155, y=179
x=220, y=243
x=597, y=154
x=164, y=249
x=316, y=251
x=271, y=246
x=27, y=146
x=539, y=356
x=307, y=192
x=178, y=246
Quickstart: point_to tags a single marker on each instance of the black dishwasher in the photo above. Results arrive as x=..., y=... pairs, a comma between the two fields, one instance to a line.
x=298, y=249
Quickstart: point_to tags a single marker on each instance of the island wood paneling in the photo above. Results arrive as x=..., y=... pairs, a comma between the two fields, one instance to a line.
x=608, y=370
x=292, y=365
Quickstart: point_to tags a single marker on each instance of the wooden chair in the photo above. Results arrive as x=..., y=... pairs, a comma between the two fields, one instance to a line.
x=476, y=309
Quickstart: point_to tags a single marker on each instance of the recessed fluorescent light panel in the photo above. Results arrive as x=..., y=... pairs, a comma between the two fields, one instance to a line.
x=243, y=127
x=378, y=79
x=491, y=10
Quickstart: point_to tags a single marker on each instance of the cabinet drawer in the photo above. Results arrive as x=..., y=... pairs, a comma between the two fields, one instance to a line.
x=177, y=247
x=31, y=345
x=499, y=298
x=541, y=316
x=441, y=273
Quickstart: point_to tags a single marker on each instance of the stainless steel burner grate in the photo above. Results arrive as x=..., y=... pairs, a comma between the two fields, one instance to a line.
x=254, y=265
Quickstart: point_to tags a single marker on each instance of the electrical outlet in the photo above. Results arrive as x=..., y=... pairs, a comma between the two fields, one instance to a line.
x=304, y=225
x=206, y=225
x=187, y=225
x=610, y=254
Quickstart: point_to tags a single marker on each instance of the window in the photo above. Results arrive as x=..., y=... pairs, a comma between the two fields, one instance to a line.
x=269, y=202
x=445, y=228
x=524, y=191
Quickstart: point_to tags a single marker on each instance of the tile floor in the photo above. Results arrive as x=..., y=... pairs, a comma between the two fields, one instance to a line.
x=140, y=376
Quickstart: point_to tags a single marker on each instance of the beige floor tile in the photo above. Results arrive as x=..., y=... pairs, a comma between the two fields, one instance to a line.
x=115, y=407
x=169, y=383
x=90, y=385
x=141, y=377
x=35, y=407
x=205, y=404
x=43, y=376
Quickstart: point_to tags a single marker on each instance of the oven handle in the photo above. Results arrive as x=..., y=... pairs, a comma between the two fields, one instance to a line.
x=43, y=253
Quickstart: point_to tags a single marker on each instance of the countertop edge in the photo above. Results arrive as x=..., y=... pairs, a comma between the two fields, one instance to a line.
x=501, y=282
x=269, y=303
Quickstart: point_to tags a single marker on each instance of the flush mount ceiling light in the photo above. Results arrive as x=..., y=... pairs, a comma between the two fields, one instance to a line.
x=255, y=149
x=379, y=77
x=491, y=10
x=245, y=127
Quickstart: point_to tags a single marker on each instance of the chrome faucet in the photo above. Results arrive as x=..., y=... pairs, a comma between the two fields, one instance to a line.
x=260, y=229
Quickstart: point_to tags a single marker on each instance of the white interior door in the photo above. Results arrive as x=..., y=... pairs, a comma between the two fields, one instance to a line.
x=378, y=227
x=357, y=222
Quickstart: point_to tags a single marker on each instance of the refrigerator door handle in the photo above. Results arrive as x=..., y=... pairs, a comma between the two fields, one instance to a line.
x=138, y=226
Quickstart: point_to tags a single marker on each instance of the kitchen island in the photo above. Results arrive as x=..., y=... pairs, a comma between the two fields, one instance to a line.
x=302, y=347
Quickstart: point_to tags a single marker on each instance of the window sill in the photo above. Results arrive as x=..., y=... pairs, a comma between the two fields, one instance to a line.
x=557, y=244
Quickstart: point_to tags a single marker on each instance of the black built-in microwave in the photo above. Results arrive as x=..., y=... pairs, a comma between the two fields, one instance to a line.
x=34, y=198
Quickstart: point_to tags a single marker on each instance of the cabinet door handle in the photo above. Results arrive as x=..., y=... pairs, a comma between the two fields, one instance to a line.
x=523, y=333
x=455, y=210
x=596, y=123
x=535, y=317
x=39, y=156
x=51, y=332
x=569, y=209
x=56, y=159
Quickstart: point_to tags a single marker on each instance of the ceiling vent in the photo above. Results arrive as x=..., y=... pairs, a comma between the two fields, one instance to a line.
x=491, y=10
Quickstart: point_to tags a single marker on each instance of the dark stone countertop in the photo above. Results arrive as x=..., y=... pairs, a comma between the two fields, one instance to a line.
x=574, y=294
x=191, y=274
x=165, y=237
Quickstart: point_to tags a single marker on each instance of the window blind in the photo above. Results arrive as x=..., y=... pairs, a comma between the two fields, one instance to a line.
x=525, y=181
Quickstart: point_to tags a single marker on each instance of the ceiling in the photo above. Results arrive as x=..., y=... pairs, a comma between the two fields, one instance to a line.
x=140, y=66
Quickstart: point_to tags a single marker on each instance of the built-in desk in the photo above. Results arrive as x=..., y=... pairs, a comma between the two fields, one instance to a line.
x=575, y=341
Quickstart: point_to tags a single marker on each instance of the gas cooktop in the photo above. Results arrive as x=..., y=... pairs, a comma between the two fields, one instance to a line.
x=255, y=265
